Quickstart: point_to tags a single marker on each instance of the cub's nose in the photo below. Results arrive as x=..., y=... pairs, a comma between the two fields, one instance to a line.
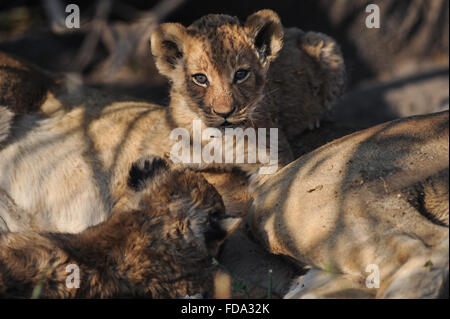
x=224, y=114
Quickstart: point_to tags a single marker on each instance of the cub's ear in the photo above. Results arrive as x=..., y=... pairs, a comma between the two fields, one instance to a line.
x=266, y=30
x=145, y=168
x=167, y=44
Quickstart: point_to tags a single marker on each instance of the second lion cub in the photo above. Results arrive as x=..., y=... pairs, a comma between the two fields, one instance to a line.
x=158, y=243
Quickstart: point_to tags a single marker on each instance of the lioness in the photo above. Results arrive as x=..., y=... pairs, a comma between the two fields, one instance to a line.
x=374, y=202
x=158, y=243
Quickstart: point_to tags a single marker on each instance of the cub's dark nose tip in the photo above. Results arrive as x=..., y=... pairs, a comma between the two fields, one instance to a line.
x=225, y=114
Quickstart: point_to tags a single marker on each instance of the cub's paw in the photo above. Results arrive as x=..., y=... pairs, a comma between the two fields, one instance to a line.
x=145, y=168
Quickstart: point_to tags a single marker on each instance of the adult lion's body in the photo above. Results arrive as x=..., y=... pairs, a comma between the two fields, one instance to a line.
x=68, y=166
x=376, y=198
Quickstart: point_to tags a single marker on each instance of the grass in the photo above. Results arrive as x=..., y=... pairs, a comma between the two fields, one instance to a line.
x=38, y=288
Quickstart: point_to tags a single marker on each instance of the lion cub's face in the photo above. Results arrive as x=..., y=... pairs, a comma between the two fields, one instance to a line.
x=218, y=66
x=189, y=210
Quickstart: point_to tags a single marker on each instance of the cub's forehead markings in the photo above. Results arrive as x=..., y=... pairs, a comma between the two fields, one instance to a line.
x=201, y=65
x=220, y=50
x=228, y=52
x=198, y=55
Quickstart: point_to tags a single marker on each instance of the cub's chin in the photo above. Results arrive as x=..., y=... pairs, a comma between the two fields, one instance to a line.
x=231, y=124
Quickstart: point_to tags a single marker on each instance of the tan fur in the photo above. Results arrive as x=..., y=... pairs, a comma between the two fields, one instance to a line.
x=158, y=243
x=379, y=196
x=6, y=118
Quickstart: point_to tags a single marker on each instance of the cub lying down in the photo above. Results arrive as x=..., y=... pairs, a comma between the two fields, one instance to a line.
x=158, y=243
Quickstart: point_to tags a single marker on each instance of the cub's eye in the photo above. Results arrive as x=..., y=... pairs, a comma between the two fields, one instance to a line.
x=241, y=75
x=200, y=79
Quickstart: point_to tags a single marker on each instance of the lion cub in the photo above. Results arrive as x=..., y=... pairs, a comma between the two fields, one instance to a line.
x=158, y=243
x=218, y=69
